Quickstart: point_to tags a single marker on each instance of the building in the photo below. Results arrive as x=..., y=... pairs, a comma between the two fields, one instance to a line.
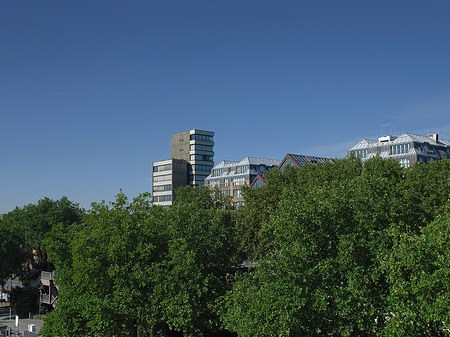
x=230, y=176
x=192, y=158
x=407, y=149
x=168, y=175
x=296, y=160
x=196, y=147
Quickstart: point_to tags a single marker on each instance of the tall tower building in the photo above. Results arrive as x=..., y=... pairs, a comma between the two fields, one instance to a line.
x=192, y=159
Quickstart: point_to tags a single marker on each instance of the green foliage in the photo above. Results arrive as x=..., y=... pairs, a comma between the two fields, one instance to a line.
x=33, y=221
x=104, y=274
x=419, y=274
x=23, y=230
x=423, y=193
x=132, y=265
x=12, y=251
x=330, y=230
x=343, y=249
x=201, y=253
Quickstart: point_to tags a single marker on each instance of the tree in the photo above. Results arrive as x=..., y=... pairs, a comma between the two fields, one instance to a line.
x=322, y=275
x=422, y=194
x=12, y=251
x=133, y=266
x=33, y=221
x=202, y=255
x=419, y=275
x=106, y=276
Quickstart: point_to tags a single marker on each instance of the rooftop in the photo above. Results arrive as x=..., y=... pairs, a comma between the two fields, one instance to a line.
x=402, y=139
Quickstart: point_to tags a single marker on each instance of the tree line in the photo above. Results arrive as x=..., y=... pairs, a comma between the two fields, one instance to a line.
x=342, y=249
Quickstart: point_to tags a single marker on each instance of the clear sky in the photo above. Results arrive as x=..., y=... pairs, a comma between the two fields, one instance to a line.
x=91, y=90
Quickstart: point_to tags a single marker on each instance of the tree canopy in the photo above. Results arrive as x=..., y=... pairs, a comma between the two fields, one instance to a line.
x=133, y=266
x=23, y=230
x=339, y=249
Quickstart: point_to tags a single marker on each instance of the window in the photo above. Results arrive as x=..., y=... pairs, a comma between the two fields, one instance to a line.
x=237, y=193
x=201, y=157
x=162, y=188
x=361, y=153
x=166, y=177
x=217, y=172
x=198, y=147
x=161, y=168
x=202, y=137
x=161, y=198
x=226, y=192
x=399, y=149
x=239, y=181
x=205, y=168
x=241, y=169
x=214, y=182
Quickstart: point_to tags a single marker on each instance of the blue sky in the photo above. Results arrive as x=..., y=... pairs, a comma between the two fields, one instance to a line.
x=90, y=91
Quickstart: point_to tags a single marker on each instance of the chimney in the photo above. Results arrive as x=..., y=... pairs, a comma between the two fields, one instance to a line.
x=434, y=136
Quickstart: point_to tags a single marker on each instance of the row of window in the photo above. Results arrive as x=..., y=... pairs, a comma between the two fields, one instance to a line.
x=166, y=177
x=198, y=147
x=162, y=188
x=217, y=172
x=394, y=149
x=202, y=137
x=236, y=193
x=202, y=157
x=206, y=168
x=160, y=198
x=361, y=153
x=399, y=149
x=238, y=181
x=161, y=168
x=241, y=169
x=214, y=182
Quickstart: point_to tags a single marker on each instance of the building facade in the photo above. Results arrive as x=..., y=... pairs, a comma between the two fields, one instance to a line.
x=192, y=159
x=168, y=175
x=407, y=149
x=230, y=176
